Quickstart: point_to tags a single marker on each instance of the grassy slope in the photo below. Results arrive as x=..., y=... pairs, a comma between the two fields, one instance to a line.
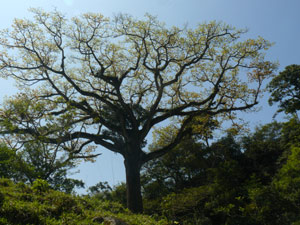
x=22, y=204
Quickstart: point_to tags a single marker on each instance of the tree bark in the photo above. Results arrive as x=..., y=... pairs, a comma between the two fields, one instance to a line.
x=133, y=185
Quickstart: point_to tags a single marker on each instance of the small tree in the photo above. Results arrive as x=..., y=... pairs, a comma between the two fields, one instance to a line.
x=38, y=161
x=7, y=162
x=109, y=82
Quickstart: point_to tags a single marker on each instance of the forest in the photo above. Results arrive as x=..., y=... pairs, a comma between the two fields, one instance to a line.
x=94, y=81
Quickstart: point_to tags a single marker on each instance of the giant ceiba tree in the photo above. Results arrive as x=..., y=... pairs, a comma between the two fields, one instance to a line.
x=95, y=81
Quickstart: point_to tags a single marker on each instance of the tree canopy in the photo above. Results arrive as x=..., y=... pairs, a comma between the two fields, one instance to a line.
x=37, y=161
x=95, y=80
x=237, y=179
x=285, y=89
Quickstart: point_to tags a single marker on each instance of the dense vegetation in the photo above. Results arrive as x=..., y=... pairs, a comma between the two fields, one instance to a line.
x=239, y=179
x=38, y=204
x=251, y=179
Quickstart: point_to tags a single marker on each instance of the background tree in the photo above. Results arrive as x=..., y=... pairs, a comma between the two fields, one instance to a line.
x=237, y=179
x=264, y=149
x=37, y=161
x=109, y=82
x=197, y=182
x=184, y=166
x=7, y=162
x=285, y=89
x=103, y=191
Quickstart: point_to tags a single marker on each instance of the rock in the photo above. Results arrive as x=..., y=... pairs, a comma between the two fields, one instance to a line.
x=108, y=220
x=98, y=220
x=113, y=221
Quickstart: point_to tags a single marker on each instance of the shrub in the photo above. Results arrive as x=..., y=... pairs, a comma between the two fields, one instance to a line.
x=187, y=206
x=19, y=212
x=5, y=182
x=40, y=205
x=40, y=186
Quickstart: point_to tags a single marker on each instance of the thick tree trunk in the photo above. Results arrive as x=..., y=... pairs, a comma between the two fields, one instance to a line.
x=133, y=185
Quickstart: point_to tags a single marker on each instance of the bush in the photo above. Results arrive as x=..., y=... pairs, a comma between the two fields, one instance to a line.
x=40, y=186
x=61, y=202
x=188, y=206
x=40, y=205
x=19, y=212
x=5, y=182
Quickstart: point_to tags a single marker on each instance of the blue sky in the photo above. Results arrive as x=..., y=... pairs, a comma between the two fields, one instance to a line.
x=275, y=20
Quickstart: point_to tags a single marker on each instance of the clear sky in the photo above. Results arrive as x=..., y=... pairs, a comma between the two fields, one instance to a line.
x=275, y=20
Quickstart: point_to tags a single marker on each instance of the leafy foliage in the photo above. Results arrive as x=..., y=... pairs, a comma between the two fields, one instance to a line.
x=285, y=89
x=251, y=179
x=264, y=149
x=37, y=204
x=103, y=191
x=36, y=161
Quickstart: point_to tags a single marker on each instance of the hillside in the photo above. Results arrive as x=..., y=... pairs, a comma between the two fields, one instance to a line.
x=38, y=204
